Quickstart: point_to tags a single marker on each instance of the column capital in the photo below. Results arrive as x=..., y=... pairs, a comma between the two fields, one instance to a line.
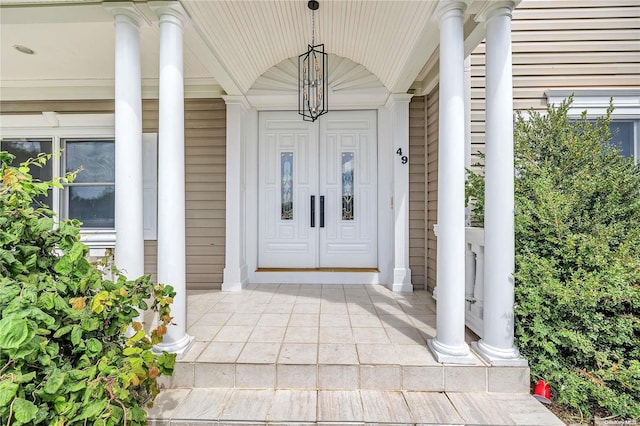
x=171, y=11
x=492, y=9
x=449, y=8
x=398, y=98
x=237, y=100
x=127, y=11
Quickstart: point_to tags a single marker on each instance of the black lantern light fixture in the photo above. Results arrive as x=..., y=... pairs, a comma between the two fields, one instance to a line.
x=312, y=76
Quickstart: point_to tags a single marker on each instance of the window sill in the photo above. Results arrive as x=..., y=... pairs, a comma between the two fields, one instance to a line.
x=98, y=240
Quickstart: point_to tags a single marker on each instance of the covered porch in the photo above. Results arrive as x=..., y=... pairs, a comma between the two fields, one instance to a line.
x=335, y=354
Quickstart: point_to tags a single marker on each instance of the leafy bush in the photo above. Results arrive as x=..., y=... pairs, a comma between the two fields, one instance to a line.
x=64, y=356
x=577, y=229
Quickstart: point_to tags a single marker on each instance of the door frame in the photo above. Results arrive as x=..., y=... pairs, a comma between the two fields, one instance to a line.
x=384, y=224
x=393, y=182
x=336, y=244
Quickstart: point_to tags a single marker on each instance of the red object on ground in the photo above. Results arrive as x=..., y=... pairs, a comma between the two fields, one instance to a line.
x=542, y=392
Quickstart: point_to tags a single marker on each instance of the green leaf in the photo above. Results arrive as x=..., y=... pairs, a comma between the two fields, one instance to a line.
x=76, y=335
x=55, y=381
x=24, y=411
x=44, y=224
x=92, y=411
x=139, y=335
x=14, y=332
x=62, y=331
x=7, y=392
x=40, y=315
x=131, y=351
x=25, y=378
x=94, y=346
x=97, y=304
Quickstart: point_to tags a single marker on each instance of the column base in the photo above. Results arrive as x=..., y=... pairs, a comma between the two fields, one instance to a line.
x=180, y=348
x=235, y=279
x=449, y=355
x=498, y=357
x=402, y=281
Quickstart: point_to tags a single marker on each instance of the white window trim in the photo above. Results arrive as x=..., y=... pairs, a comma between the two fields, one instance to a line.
x=57, y=127
x=595, y=102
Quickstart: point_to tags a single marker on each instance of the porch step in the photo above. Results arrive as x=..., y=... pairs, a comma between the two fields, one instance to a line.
x=328, y=377
x=225, y=406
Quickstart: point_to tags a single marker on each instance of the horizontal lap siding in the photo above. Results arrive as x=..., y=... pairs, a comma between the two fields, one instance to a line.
x=558, y=44
x=432, y=184
x=205, y=129
x=417, y=191
x=205, y=156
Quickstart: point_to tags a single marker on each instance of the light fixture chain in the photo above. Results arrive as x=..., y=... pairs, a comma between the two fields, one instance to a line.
x=313, y=28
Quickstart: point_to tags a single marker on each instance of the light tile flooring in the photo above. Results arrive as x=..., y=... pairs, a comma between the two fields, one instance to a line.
x=301, y=324
x=334, y=354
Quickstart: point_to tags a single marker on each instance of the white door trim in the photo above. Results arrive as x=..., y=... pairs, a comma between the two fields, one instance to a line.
x=385, y=224
x=386, y=242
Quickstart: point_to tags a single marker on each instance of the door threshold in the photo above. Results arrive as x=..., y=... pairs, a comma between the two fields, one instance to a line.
x=317, y=270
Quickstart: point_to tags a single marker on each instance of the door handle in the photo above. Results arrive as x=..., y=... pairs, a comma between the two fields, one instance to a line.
x=313, y=211
x=322, y=211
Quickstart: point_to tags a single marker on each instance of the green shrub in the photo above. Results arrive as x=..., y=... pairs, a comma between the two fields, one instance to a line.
x=577, y=229
x=64, y=356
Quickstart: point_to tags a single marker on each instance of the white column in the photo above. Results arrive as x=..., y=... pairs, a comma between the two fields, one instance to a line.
x=398, y=108
x=171, y=176
x=129, y=250
x=497, y=345
x=235, y=269
x=449, y=345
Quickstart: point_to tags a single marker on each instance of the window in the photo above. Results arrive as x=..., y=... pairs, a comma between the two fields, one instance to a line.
x=86, y=142
x=25, y=149
x=90, y=198
x=626, y=137
x=625, y=119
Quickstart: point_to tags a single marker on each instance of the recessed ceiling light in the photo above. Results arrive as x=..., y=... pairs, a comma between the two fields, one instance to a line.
x=23, y=49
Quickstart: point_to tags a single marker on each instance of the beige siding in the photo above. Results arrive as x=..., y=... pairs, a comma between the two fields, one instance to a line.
x=432, y=184
x=205, y=124
x=579, y=43
x=416, y=191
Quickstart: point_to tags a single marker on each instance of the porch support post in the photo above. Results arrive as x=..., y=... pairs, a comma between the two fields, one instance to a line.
x=171, y=179
x=449, y=345
x=129, y=249
x=497, y=344
x=235, y=269
x=398, y=108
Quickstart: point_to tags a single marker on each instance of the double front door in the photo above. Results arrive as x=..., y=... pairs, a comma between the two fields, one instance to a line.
x=318, y=190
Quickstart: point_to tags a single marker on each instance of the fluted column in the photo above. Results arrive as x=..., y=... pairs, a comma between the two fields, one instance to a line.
x=171, y=176
x=235, y=268
x=497, y=343
x=449, y=345
x=398, y=109
x=129, y=248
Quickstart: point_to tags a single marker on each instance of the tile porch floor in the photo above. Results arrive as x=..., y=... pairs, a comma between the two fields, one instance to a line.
x=331, y=354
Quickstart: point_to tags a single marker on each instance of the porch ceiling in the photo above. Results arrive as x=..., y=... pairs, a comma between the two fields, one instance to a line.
x=229, y=45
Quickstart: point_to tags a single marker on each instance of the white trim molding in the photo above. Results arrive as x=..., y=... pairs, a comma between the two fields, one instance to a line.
x=596, y=100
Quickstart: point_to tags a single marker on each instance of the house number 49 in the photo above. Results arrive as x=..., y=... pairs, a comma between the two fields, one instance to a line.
x=403, y=158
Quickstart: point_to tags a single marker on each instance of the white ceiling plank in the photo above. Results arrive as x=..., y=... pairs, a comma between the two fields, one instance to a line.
x=232, y=43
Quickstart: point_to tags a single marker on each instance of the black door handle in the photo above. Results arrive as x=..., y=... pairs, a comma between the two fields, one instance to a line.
x=313, y=211
x=322, y=211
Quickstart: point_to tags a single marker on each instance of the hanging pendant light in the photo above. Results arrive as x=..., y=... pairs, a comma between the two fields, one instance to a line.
x=312, y=76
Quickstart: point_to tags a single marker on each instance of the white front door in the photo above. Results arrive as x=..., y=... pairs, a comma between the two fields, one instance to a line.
x=318, y=190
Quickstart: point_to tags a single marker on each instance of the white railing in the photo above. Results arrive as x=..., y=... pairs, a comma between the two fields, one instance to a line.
x=474, y=279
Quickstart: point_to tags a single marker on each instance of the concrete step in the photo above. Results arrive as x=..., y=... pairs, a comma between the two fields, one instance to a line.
x=227, y=406
x=432, y=378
